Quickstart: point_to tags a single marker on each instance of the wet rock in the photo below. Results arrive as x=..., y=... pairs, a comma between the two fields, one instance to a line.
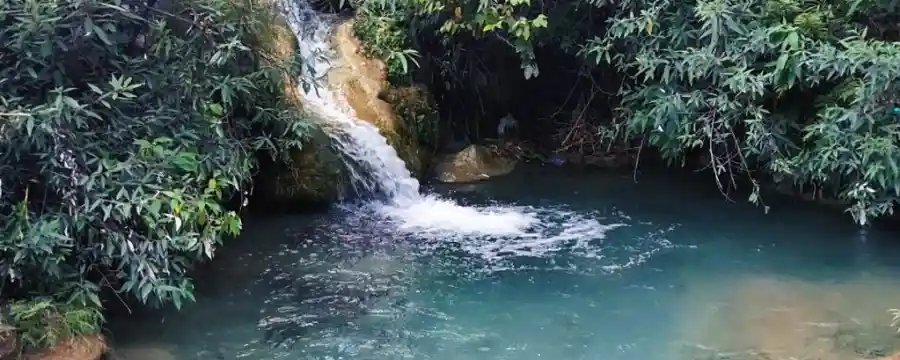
x=783, y=318
x=142, y=352
x=91, y=347
x=8, y=344
x=313, y=174
x=473, y=163
x=363, y=81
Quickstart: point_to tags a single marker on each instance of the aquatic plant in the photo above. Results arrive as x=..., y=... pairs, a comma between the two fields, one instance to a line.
x=125, y=129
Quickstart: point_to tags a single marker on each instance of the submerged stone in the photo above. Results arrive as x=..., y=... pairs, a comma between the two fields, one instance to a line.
x=473, y=163
x=143, y=352
x=769, y=317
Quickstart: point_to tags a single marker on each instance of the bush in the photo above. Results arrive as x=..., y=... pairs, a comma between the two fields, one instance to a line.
x=123, y=130
x=42, y=323
x=799, y=91
x=380, y=27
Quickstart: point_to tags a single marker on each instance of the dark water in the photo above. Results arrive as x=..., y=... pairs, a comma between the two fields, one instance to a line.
x=683, y=274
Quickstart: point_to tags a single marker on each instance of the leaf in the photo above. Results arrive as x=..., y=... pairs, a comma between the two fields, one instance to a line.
x=145, y=292
x=95, y=89
x=154, y=207
x=102, y=35
x=72, y=103
x=92, y=296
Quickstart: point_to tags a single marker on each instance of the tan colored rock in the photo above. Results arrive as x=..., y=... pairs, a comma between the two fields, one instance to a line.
x=77, y=348
x=783, y=318
x=313, y=174
x=363, y=82
x=473, y=163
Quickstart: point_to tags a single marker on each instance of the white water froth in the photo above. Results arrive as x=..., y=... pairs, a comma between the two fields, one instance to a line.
x=376, y=169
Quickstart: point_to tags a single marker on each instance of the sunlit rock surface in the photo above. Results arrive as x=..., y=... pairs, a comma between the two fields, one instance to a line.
x=473, y=163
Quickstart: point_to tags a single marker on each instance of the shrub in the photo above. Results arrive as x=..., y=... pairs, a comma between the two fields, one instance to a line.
x=123, y=130
x=800, y=91
x=41, y=323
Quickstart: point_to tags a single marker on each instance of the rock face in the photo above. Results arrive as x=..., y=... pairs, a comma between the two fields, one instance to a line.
x=363, y=82
x=313, y=174
x=77, y=348
x=473, y=163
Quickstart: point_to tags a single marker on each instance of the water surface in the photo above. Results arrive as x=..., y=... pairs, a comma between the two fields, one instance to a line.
x=664, y=269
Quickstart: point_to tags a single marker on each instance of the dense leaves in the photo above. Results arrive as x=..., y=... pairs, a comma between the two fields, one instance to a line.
x=123, y=130
x=800, y=92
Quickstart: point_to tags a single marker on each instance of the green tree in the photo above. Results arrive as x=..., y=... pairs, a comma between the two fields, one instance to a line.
x=799, y=91
x=124, y=129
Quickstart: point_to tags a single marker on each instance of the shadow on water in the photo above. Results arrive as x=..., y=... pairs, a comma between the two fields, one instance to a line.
x=676, y=273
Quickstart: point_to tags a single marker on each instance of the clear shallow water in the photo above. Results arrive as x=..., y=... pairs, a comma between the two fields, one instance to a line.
x=614, y=270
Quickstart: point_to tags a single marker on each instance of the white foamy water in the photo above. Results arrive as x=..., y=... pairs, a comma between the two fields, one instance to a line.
x=376, y=170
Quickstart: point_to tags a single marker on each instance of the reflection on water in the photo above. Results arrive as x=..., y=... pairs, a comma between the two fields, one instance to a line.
x=656, y=271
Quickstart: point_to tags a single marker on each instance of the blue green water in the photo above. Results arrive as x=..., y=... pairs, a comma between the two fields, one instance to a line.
x=665, y=269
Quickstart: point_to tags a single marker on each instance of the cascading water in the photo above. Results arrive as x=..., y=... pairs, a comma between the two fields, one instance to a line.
x=374, y=165
x=376, y=169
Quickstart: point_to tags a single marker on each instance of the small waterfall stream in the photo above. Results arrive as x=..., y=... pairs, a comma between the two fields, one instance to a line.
x=377, y=171
x=374, y=165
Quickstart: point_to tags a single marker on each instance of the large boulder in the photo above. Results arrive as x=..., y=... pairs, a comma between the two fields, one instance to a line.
x=363, y=82
x=473, y=163
x=311, y=175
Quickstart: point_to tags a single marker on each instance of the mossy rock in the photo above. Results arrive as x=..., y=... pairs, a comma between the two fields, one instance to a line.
x=416, y=125
x=313, y=175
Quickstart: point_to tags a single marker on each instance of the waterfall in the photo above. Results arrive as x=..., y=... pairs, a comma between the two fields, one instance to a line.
x=376, y=169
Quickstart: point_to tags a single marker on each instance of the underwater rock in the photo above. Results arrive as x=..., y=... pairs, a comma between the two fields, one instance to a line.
x=363, y=81
x=89, y=347
x=143, y=352
x=473, y=163
x=769, y=317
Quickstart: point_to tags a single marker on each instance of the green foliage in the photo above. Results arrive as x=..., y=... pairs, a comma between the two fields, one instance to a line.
x=122, y=131
x=380, y=27
x=724, y=76
x=802, y=90
x=41, y=323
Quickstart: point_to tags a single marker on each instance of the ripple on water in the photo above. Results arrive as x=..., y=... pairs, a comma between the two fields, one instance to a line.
x=385, y=282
